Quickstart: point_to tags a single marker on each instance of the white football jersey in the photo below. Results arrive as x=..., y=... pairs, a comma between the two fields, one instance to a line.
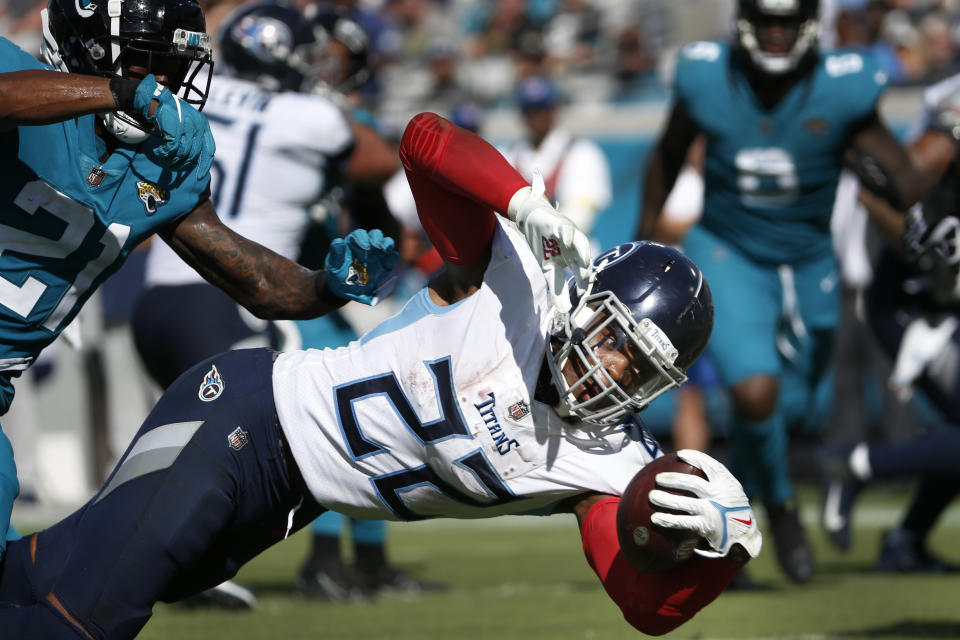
x=274, y=155
x=432, y=412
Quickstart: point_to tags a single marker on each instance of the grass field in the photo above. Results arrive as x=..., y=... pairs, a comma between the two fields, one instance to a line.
x=526, y=579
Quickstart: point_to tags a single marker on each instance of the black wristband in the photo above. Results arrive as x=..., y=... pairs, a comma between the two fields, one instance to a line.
x=123, y=91
x=324, y=293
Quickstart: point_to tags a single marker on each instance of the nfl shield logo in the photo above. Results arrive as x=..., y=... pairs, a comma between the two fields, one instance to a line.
x=518, y=410
x=212, y=385
x=96, y=176
x=237, y=439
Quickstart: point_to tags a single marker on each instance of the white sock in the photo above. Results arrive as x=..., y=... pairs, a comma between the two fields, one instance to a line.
x=859, y=462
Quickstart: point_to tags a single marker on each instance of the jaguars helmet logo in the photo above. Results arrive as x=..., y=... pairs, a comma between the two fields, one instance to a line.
x=357, y=274
x=152, y=196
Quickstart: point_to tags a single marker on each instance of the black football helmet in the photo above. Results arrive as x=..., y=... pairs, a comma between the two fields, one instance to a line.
x=656, y=304
x=105, y=38
x=271, y=44
x=333, y=25
x=777, y=53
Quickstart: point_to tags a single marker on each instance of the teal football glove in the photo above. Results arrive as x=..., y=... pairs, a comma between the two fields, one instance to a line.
x=185, y=133
x=358, y=266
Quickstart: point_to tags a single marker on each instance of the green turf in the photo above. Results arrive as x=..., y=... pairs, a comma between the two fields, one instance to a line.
x=527, y=579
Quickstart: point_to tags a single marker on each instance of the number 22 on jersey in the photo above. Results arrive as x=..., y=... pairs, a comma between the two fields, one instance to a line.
x=450, y=424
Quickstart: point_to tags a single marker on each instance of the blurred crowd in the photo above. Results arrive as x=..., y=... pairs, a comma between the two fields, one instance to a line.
x=436, y=54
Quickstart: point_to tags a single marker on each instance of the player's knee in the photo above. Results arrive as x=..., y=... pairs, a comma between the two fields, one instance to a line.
x=756, y=398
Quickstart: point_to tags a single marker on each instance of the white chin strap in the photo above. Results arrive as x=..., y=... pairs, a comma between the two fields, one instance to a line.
x=123, y=128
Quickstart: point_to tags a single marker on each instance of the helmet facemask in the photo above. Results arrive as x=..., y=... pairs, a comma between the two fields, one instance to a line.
x=342, y=64
x=185, y=59
x=768, y=52
x=600, y=321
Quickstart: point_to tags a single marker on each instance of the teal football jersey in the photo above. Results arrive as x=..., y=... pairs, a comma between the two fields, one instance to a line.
x=68, y=221
x=771, y=174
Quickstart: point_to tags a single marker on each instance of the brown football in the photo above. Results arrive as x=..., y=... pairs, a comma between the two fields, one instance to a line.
x=650, y=548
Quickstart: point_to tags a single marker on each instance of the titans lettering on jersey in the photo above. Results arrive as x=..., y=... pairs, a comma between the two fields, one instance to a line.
x=501, y=439
x=432, y=412
x=771, y=175
x=69, y=221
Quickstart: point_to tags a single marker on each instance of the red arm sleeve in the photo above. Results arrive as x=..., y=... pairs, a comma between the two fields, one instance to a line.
x=653, y=603
x=458, y=181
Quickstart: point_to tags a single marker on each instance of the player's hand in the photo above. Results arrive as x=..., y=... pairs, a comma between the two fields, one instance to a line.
x=555, y=240
x=358, y=266
x=720, y=513
x=185, y=132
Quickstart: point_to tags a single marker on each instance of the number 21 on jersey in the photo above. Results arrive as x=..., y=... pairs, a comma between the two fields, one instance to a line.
x=22, y=298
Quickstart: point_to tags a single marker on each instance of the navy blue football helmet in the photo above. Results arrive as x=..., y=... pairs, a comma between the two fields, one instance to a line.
x=271, y=44
x=344, y=65
x=655, y=304
x=798, y=19
x=98, y=37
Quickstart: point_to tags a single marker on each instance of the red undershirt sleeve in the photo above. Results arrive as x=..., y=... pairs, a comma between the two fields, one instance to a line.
x=458, y=181
x=653, y=603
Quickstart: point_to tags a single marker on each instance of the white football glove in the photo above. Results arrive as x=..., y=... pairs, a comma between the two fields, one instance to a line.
x=720, y=513
x=555, y=240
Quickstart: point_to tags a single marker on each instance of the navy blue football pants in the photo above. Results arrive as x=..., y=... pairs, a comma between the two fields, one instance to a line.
x=169, y=341
x=205, y=486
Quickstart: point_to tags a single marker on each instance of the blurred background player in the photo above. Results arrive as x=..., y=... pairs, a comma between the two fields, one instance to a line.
x=272, y=134
x=914, y=310
x=574, y=169
x=282, y=151
x=777, y=116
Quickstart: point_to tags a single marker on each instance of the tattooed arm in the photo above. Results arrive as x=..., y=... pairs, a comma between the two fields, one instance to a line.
x=267, y=284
